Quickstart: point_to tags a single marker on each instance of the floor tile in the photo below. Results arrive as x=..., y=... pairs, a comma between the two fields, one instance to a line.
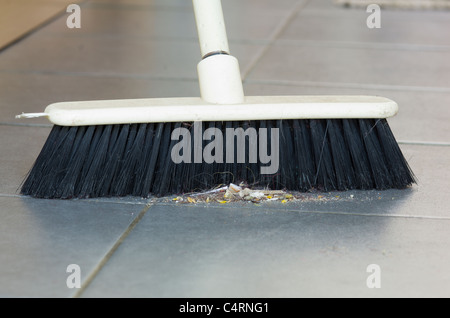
x=324, y=5
x=41, y=238
x=18, y=18
x=255, y=19
x=111, y=56
x=423, y=114
x=318, y=63
x=129, y=20
x=430, y=164
x=398, y=27
x=229, y=252
x=426, y=199
x=321, y=246
x=227, y=5
x=156, y=19
x=146, y=3
x=20, y=147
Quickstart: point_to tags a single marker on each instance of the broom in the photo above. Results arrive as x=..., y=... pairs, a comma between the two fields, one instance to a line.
x=162, y=146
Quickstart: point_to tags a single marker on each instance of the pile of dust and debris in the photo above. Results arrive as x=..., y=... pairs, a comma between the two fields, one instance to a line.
x=241, y=193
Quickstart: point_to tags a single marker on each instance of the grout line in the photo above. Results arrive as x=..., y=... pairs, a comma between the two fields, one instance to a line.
x=263, y=41
x=364, y=45
x=92, y=200
x=398, y=4
x=405, y=216
x=123, y=37
x=26, y=125
x=150, y=38
x=350, y=85
x=99, y=74
x=287, y=209
x=134, y=6
x=108, y=255
x=434, y=89
x=100, y=200
x=39, y=27
x=6, y=195
x=299, y=5
x=425, y=143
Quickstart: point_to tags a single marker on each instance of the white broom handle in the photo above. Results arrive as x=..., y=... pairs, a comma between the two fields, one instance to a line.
x=210, y=26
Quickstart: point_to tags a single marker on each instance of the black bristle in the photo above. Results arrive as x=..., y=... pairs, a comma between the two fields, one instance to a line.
x=168, y=166
x=209, y=167
x=113, y=161
x=66, y=188
x=150, y=165
x=127, y=173
x=360, y=161
x=135, y=159
x=270, y=180
x=89, y=183
x=341, y=156
x=56, y=164
x=162, y=162
x=304, y=165
x=34, y=176
x=380, y=173
x=90, y=159
x=325, y=177
x=398, y=167
x=228, y=173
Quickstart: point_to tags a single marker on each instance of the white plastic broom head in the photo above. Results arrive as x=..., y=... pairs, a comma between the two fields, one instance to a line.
x=127, y=111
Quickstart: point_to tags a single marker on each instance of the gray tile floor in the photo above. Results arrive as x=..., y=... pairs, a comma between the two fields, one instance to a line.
x=131, y=247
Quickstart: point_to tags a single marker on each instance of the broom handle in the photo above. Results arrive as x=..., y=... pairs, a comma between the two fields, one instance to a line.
x=218, y=72
x=210, y=27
